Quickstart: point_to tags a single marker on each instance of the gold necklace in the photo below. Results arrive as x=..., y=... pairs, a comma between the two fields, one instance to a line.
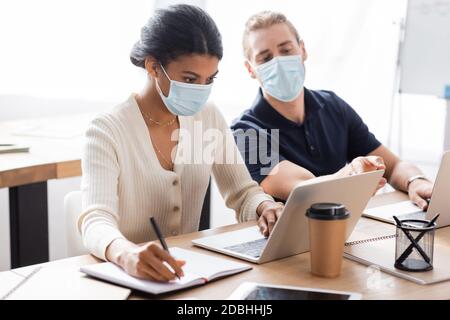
x=157, y=122
x=169, y=163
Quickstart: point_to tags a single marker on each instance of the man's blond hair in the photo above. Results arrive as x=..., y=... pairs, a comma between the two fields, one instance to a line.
x=262, y=20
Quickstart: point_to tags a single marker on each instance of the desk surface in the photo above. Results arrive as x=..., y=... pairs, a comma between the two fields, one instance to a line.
x=55, y=149
x=295, y=270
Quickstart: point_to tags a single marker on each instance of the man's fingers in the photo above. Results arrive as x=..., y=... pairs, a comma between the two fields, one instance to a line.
x=357, y=166
x=421, y=203
x=382, y=183
x=373, y=163
x=425, y=193
x=377, y=162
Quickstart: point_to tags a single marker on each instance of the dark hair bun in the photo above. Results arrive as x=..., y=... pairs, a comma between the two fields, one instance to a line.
x=175, y=31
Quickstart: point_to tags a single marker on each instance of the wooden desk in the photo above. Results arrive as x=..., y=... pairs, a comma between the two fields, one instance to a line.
x=296, y=271
x=55, y=153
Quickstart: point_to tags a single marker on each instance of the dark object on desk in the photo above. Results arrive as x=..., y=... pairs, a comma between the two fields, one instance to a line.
x=409, y=250
x=270, y=293
x=13, y=148
x=414, y=234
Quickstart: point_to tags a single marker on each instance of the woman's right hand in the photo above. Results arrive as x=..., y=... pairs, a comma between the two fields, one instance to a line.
x=150, y=261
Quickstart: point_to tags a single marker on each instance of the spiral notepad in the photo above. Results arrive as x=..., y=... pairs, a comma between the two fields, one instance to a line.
x=380, y=251
x=354, y=243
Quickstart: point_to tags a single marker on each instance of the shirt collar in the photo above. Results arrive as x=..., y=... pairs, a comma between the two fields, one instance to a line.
x=264, y=111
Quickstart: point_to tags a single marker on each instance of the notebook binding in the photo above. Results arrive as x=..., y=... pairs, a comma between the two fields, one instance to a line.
x=25, y=279
x=352, y=243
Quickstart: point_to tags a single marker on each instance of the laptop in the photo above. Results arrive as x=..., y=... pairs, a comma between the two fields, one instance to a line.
x=290, y=236
x=439, y=202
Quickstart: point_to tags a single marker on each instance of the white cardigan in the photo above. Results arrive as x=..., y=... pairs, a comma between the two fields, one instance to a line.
x=123, y=183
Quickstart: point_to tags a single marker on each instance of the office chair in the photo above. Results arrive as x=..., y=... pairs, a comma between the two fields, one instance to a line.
x=72, y=209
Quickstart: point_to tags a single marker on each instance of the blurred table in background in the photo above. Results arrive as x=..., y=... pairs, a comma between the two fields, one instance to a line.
x=55, y=153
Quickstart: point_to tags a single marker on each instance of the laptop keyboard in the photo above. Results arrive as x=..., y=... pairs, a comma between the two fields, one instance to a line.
x=252, y=248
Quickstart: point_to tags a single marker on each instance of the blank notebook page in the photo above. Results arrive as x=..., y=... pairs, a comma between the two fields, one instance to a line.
x=207, y=266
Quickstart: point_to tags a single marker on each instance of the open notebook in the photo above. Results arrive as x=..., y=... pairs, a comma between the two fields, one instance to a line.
x=377, y=247
x=199, y=269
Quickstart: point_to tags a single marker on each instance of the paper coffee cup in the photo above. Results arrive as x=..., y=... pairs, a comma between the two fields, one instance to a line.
x=327, y=229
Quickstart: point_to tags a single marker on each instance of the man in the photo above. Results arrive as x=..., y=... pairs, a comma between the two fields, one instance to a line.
x=318, y=133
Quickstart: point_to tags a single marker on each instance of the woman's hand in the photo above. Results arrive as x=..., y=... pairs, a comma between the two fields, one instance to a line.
x=149, y=261
x=269, y=212
x=364, y=164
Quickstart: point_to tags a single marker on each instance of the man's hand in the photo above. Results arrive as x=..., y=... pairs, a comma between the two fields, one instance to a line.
x=419, y=192
x=365, y=164
x=269, y=212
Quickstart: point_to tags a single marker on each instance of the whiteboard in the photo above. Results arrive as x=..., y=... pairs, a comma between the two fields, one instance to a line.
x=425, y=49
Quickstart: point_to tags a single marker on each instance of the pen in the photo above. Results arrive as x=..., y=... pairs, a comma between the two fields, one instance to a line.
x=160, y=237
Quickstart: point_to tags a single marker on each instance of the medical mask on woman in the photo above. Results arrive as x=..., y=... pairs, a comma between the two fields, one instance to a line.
x=185, y=99
x=282, y=77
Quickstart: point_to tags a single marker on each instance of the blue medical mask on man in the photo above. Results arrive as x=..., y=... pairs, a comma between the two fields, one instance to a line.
x=282, y=77
x=185, y=99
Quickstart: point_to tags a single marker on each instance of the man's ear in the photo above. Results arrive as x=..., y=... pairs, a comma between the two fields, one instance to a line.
x=303, y=51
x=250, y=69
x=151, y=65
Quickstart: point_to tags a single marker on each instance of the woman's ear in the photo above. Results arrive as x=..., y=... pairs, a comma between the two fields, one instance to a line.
x=304, y=53
x=151, y=66
x=250, y=69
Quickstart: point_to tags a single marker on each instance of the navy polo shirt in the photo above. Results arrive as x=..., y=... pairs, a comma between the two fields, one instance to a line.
x=331, y=135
